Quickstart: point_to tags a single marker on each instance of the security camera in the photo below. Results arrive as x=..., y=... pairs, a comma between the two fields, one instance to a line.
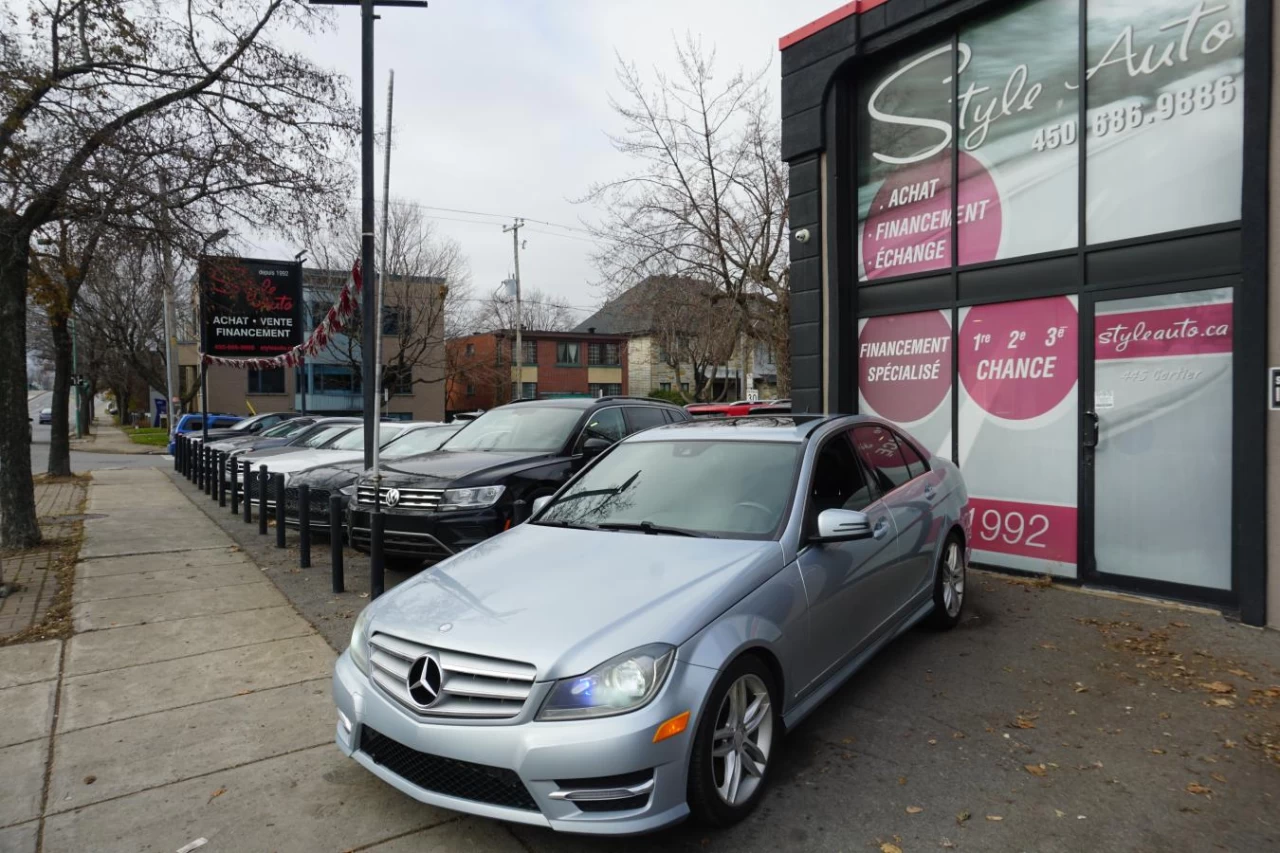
x=802, y=236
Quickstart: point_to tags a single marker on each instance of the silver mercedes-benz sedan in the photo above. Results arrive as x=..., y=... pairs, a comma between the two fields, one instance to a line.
x=634, y=653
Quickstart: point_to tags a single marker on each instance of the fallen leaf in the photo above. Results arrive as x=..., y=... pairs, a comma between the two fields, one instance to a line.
x=1179, y=625
x=89, y=780
x=1036, y=769
x=957, y=735
x=918, y=809
x=994, y=817
x=1229, y=744
x=1217, y=687
x=1022, y=723
x=216, y=794
x=1157, y=751
x=890, y=848
x=244, y=692
x=364, y=595
x=902, y=780
x=1222, y=702
x=947, y=843
x=932, y=741
x=1240, y=672
x=1218, y=777
x=1080, y=688
x=1050, y=646
x=1197, y=788
x=961, y=817
x=1059, y=812
x=847, y=740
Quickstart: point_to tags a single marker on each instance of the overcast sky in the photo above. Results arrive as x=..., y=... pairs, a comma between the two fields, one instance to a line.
x=502, y=106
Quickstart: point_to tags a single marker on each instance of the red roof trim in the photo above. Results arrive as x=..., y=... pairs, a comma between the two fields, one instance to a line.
x=856, y=7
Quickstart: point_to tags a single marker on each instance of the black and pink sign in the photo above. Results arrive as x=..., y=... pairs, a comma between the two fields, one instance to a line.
x=904, y=364
x=1179, y=330
x=1018, y=360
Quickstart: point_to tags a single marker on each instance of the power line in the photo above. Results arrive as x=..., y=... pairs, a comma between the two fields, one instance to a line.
x=493, y=215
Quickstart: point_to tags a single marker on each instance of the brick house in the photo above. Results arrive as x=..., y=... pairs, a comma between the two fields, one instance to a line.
x=482, y=369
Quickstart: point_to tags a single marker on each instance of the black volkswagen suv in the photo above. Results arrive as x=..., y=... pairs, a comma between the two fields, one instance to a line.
x=442, y=502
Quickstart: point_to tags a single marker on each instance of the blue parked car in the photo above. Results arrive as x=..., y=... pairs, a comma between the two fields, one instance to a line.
x=194, y=422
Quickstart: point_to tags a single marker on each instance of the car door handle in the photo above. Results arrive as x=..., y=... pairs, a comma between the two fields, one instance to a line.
x=881, y=529
x=930, y=491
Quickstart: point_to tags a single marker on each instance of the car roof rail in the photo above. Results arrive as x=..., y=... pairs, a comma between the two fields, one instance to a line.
x=635, y=398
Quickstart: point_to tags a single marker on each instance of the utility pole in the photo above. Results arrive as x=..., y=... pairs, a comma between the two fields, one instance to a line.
x=170, y=321
x=382, y=271
x=372, y=324
x=514, y=228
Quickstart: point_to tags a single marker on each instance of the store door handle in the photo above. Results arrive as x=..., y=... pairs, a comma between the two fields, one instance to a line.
x=881, y=529
x=1091, y=429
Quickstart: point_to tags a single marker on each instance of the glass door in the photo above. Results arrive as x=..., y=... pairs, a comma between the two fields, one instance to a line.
x=1157, y=440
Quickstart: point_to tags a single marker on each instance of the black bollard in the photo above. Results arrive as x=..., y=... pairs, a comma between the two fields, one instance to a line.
x=186, y=456
x=304, y=526
x=248, y=492
x=263, y=480
x=197, y=471
x=279, y=493
x=376, y=561
x=235, y=486
x=222, y=479
x=177, y=455
x=335, y=541
x=211, y=474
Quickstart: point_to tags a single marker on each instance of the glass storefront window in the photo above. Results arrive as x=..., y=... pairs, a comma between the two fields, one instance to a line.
x=904, y=374
x=1165, y=135
x=1018, y=412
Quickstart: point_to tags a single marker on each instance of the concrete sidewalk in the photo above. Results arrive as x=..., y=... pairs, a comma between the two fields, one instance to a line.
x=192, y=702
x=106, y=437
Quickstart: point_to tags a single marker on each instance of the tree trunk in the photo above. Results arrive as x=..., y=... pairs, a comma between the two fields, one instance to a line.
x=18, y=525
x=59, y=429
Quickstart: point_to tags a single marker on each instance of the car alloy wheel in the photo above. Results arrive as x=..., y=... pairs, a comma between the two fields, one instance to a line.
x=742, y=740
x=953, y=579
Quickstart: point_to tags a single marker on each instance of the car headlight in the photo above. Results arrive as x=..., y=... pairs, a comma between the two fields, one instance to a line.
x=476, y=498
x=359, y=647
x=347, y=491
x=625, y=683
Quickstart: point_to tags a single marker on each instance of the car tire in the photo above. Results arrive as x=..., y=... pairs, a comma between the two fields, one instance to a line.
x=949, y=584
x=728, y=726
x=402, y=564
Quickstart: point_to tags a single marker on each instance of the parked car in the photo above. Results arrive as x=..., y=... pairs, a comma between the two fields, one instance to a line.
x=193, y=422
x=347, y=446
x=248, y=426
x=634, y=653
x=283, y=431
x=737, y=408
x=331, y=478
x=444, y=502
x=46, y=416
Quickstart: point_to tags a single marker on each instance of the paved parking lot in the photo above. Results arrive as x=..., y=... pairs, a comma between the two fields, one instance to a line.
x=193, y=703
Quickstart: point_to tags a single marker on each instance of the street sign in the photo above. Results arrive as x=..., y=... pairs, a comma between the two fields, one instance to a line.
x=753, y=396
x=252, y=308
x=1275, y=389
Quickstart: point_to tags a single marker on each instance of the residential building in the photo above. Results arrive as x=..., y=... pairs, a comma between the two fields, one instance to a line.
x=661, y=314
x=482, y=367
x=331, y=383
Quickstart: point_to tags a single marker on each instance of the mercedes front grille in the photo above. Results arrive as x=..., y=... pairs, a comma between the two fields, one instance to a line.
x=469, y=685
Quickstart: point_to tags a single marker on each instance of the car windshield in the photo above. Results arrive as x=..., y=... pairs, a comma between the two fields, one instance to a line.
x=284, y=429
x=242, y=425
x=354, y=440
x=417, y=441
x=733, y=489
x=324, y=435
x=519, y=427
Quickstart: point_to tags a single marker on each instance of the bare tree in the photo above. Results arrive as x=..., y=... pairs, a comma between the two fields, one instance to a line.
x=539, y=311
x=102, y=99
x=707, y=198
x=427, y=284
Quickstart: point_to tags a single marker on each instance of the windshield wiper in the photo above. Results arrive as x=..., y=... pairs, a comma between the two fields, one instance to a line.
x=568, y=524
x=652, y=529
x=592, y=493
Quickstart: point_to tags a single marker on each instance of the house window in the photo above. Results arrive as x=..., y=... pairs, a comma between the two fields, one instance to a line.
x=471, y=389
x=664, y=386
x=603, y=353
x=530, y=351
x=567, y=352
x=398, y=378
x=471, y=351
x=188, y=380
x=395, y=319
x=604, y=389
x=530, y=391
x=684, y=386
x=270, y=381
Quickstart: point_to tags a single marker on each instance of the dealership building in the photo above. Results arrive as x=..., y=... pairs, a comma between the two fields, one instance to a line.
x=1041, y=236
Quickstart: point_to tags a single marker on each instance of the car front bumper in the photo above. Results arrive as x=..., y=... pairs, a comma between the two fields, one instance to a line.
x=538, y=762
x=429, y=536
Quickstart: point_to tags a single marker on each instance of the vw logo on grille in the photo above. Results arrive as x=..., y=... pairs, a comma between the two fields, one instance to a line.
x=393, y=497
x=424, y=681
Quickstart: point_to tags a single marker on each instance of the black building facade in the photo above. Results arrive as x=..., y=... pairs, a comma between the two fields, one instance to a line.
x=1034, y=233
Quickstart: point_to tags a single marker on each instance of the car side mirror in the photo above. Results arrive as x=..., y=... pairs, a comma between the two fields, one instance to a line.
x=595, y=446
x=539, y=504
x=842, y=525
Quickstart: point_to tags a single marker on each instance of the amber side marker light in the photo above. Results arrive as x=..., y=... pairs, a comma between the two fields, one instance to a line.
x=672, y=727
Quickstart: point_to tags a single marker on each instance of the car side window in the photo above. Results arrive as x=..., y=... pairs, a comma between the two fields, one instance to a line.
x=915, y=463
x=643, y=417
x=194, y=424
x=882, y=453
x=837, y=481
x=606, y=424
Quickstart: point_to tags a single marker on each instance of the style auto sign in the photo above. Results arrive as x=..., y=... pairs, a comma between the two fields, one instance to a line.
x=251, y=307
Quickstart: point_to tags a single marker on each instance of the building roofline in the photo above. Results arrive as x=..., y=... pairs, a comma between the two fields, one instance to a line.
x=855, y=7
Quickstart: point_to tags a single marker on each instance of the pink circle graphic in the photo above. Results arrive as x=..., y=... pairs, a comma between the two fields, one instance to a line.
x=904, y=364
x=908, y=229
x=1018, y=360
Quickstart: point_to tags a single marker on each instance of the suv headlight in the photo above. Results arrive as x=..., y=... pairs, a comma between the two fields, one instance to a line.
x=476, y=498
x=347, y=491
x=359, y=648
x=625, y=683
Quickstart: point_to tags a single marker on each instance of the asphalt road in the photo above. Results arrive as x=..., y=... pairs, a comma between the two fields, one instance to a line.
x=81, y=461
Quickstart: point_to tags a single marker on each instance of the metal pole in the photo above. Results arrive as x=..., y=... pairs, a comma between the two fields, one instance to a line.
x=305, y=380
x=369, y=304
x=248, y=492
x=75, y=374
x=170, y=321
x=515, y=250
x=198, y=479
x=204, y=397
x=222, y=479
x=304, y=526
x=262, y=500
x=279, y=492
x=335, y=541
x=210, y=487
x=382, y=272
x=235, y=486
x=376, y=583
